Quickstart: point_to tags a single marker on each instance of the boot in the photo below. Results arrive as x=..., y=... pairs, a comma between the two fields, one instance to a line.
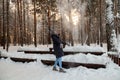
x=62, y=70
x=55, y=69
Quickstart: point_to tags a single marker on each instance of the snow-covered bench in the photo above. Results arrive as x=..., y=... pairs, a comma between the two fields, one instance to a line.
x=19, y=59
x=65, y=52
x=115, y=58
x=74, y=64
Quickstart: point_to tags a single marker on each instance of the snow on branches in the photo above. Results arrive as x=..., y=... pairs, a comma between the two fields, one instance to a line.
x=110, y=16
x=113, y=41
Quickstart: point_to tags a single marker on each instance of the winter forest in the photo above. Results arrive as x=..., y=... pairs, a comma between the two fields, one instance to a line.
x=25, y=22
x=90, y=27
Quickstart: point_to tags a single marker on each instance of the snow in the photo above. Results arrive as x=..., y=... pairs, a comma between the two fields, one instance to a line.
x=110, y=16
x=109, y=2
x=76, y=48
x=117, y=15
x=113, y=41
x=118, y=41
x=32, y=47
x=10, y=70
x=85, y=48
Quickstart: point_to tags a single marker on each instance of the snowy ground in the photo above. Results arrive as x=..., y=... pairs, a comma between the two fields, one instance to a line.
x=10, y=70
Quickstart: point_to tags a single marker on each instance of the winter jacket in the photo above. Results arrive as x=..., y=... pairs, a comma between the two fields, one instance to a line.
x=57, y=45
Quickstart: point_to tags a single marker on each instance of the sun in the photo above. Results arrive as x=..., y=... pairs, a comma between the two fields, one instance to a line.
x=75, y=16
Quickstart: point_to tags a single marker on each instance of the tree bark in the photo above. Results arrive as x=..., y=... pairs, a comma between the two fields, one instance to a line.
x=101, y=27
x=49, y=24
x=8, y=36
x=109, y=27
x=35, y=40
x=0, y=30
x=4, y=27
x=15, y=29
x=24, y=23
x=21, y=22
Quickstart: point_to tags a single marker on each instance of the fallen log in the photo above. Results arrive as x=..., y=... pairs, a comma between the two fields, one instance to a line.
x=115, y=58
x=73, y=64
x=65, y=52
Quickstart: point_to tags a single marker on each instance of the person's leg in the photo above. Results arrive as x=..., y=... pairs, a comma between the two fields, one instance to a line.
x=55, y=64
x=60, y=62
x=60, y=65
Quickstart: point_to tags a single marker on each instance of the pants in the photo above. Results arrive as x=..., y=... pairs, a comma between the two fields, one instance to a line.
x=58, y=61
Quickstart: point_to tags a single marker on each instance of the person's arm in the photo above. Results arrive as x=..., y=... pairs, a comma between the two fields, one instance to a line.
x=63, y=42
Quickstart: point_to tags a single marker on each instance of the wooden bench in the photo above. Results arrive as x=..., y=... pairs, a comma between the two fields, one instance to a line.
x=19, y=59
x=50, y=62
x=52, y=52
x=74, y=64
x=115, y=58
x=22, y=60
x=65, y=52
x=2, y=57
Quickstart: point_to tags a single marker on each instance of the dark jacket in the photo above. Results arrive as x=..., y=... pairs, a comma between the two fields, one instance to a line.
x=56, y=45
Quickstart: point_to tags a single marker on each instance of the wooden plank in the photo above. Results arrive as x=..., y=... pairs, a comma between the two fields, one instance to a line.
x=22, y=59
x=74, y=64
x=65, y=52
x=38, y=52
x=19, y=59
x=3, y=57
x=20, y=50
x=115, y=58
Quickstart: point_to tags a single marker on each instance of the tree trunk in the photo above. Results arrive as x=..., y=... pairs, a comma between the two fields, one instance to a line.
x=24, y=23
x=8, y=36
x=49, y=24
x=21, y=22
x=19, y=7
x=109, y=28
x=70, y=24
x=101, y=27
x=4, y=27
x=108, y=34
x=35, y=40
x=27, y=25
x=15, y=29
x=115, y=18
x=43, y=41
x=88, y=32
x=0, y=30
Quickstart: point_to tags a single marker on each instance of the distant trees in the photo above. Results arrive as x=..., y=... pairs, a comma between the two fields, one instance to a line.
x=24, y=22
x=5, y=37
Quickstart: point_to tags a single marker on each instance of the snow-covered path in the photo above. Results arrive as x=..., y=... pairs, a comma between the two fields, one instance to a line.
x=10, y=70
x=37, y=71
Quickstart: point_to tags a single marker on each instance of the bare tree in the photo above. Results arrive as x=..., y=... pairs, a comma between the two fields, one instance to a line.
x=8, y=36
x=4, y=27
x=35, y=40
x=0, y=22
x=16, y=26
x=24, y=22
